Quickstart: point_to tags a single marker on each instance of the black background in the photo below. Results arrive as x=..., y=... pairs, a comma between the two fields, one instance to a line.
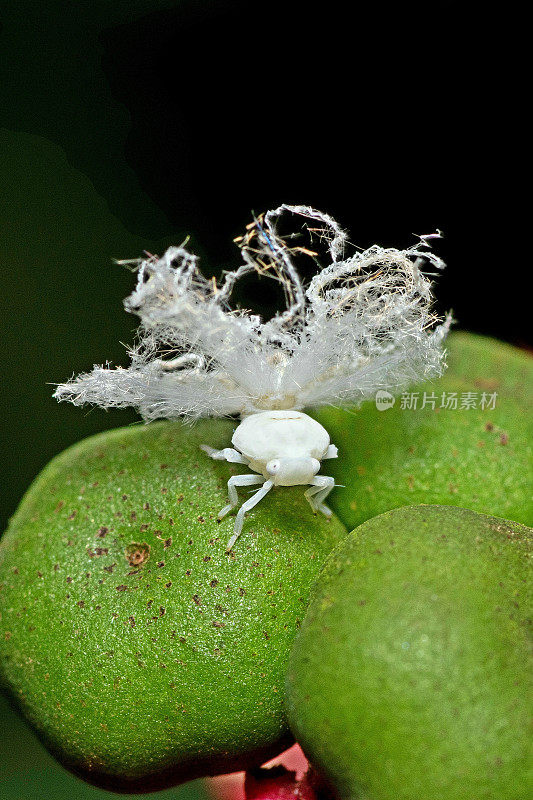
x=130, y=125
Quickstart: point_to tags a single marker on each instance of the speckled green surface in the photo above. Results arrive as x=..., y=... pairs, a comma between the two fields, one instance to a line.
x=473, y=458
x=410, y=677
x=141, y=652
x=28, y=771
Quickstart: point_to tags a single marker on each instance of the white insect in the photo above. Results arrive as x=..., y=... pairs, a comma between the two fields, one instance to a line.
x=286, y=448
x=364, y=323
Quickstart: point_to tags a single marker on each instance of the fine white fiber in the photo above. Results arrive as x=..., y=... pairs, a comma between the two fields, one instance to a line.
x=363, y=323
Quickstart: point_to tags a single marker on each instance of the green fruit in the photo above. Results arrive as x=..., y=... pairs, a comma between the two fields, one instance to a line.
x=28, y=771
x=409, y=678
x=141, y=653
x=473, y=458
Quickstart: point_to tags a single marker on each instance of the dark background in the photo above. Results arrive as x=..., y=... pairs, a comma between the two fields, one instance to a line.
x=128, y=125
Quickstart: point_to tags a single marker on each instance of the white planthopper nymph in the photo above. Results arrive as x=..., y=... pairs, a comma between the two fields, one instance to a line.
x=363, y=323
x=285, y=447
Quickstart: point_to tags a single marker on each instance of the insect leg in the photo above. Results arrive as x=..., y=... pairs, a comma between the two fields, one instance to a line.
x=249, y=504
x=227, y=454
x=331, y=452
x=238, y=480
x=321, y=486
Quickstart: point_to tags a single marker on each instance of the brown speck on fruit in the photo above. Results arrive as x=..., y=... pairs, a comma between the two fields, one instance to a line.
x=143, y=528
x=167, y=543
x=219, y=624
x=162, y=611
x=242, y=591
x=187, y=572
x=137, y=553
x=133, y=516
x=504, y=438
x=410, y=482
x=81, y=603
x=197, y=600
x=168, y=585
x=452, y=488
x=59, y=506
x=207, y=558
x=179, y=498
x=111, y=567
x=72, y=515
x=7, y=635
x=146, y=506
x=101, y=551
x=124, y=496
x=489, y=426
x=102, y=532
x=163, y=466
x=121, y=588
x=213, y=583
x=488, y=384
x=69, y=579
x=160, y=564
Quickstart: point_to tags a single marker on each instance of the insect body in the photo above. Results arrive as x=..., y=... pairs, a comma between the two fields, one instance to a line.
x=363, y=324
x=285, y=448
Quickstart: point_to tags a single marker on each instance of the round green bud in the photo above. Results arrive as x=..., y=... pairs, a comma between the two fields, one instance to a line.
x=411, y=676
x=140, y=651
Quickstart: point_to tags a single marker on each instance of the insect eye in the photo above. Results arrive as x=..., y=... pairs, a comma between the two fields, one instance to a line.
x=272, y=467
